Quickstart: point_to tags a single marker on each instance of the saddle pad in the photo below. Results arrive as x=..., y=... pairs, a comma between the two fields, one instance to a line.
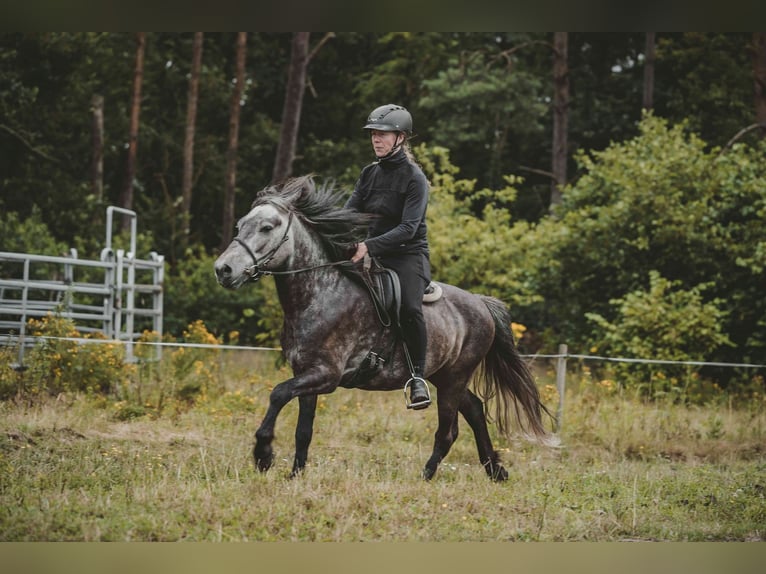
x=433, y=293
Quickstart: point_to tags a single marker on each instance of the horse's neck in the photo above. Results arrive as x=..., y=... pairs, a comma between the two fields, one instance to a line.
x=300, y=291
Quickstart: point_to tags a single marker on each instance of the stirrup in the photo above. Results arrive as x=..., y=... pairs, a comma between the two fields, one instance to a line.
x=420, y=404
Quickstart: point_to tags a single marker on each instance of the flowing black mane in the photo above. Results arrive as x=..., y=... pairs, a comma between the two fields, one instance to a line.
x=320, y=208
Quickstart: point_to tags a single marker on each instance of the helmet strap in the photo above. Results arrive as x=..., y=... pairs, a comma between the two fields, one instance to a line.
x=395, y=148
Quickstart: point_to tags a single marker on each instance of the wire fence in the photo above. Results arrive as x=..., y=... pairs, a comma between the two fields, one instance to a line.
x=560, y=358
x=562, y=354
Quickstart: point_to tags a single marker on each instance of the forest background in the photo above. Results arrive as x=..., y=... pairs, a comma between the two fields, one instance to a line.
x=610, y=187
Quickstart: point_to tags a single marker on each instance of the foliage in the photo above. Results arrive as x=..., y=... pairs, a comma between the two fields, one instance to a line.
x=706, y=71
x=483, y=99
x=56, y=365
x=661, y=323
x=643, y=196
x=473, y=252
x=659, y=202
x=191, y=291
x=170, y=377
x=28, y=234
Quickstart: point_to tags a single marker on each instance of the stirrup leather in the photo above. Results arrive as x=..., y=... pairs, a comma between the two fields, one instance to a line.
x=421, y=404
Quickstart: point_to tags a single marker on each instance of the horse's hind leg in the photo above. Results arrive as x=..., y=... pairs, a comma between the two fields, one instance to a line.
x=304, y=431
x=472, y=410
x=446, y=432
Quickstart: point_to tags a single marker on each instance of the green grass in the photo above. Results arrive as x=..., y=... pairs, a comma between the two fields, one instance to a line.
x=71, y=469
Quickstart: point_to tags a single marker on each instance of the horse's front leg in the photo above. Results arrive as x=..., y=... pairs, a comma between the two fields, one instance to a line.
x=306, y=386
x=304, y=431
x=263, y=453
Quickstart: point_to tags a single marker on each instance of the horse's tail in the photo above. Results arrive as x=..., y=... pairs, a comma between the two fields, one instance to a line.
x=506, y=377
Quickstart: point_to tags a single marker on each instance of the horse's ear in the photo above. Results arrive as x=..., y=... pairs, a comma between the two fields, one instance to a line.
x=307, y=185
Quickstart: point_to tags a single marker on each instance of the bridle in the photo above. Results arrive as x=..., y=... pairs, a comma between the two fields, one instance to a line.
x=258, y=270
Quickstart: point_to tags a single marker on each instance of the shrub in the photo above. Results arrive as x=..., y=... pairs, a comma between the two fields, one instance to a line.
x=662, y=201
x=57, y=364
x=180, y=377
x=665, y=323
x=192, y=293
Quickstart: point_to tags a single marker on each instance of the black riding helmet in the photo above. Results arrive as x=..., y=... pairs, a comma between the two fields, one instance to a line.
x=390, y=118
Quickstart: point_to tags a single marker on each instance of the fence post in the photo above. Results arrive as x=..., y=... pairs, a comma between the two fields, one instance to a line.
x=561, y=377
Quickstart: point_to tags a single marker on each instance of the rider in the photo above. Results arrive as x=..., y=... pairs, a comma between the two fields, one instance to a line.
x=395, y=188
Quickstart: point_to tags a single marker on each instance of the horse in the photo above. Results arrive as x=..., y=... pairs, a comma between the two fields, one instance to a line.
x=296, y=232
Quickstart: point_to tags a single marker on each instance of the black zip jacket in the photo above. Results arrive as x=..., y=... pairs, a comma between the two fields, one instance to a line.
x=396, y=190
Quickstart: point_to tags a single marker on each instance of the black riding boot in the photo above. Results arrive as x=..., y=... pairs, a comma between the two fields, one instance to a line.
x=420, y=398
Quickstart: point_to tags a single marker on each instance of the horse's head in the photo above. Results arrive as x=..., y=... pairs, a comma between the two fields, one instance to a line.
x=258, y=248
x=295, y=222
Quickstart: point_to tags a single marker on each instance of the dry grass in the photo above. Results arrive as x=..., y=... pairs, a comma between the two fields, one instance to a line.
x=69, y=470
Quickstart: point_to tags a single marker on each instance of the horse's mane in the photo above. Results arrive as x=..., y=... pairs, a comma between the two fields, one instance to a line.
x=320, y=208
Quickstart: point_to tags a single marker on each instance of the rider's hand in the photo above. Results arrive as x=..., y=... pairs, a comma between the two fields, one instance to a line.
x=361, y=251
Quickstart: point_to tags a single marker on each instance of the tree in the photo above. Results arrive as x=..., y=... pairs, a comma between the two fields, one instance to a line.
x=485, y=106
x=231, y=152
x=649, y=59
x=662, y=322
x=291, y=113
x=659, y=202
x=706, y=79
x=759, y=79
x=126, y=200
x=560, y=115
x=97, y=131
x=191, y=119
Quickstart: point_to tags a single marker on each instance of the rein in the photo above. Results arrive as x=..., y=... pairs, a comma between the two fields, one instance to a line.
x=257, y=270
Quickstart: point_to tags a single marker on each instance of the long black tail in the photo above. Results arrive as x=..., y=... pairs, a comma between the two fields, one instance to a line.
x=506, y=377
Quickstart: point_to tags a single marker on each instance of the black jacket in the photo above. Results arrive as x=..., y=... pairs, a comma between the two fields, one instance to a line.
x=396, y=190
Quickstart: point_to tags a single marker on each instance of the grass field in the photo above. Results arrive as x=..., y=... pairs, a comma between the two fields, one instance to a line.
x=72, y=469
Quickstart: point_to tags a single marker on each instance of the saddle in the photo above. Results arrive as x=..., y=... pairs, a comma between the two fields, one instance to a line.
x=385, y=291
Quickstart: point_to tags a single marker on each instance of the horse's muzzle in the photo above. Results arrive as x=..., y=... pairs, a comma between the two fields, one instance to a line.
x=224, y=275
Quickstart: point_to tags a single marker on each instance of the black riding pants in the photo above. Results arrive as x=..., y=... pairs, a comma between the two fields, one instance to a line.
x=414, y=270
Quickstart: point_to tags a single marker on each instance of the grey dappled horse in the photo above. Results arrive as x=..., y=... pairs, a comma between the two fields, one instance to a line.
x=297, y=232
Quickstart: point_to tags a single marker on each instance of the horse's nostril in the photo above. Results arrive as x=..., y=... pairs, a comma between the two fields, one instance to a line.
x=223, y=271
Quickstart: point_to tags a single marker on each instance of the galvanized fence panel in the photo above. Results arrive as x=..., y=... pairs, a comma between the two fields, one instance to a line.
x=118, y=295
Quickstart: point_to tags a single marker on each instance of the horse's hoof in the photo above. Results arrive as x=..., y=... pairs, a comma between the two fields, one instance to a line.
x=264, y=460
x=499, y=474
x=428, y=473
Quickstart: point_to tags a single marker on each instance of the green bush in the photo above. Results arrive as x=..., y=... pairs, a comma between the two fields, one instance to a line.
x=662, y=323
x=481, y=252
x=55, y=365
x=176, y=378
x=193, y=294
x=28, y=235
x=662, y=201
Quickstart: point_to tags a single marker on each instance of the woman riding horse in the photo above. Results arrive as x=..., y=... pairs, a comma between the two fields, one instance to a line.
x=395, y=189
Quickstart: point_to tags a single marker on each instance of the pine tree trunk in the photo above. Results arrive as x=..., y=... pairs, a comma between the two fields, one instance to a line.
x=291, y=112
x=759, y=79
x=560, y=115
x=126, y=199
x=191, y=119
x=97, y=131
x=231, y=152
x=649, y=58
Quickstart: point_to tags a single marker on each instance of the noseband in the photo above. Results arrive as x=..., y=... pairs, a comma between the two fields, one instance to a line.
x=257, y=270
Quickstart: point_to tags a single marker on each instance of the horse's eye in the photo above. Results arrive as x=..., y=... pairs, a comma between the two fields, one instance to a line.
x=266, y=228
